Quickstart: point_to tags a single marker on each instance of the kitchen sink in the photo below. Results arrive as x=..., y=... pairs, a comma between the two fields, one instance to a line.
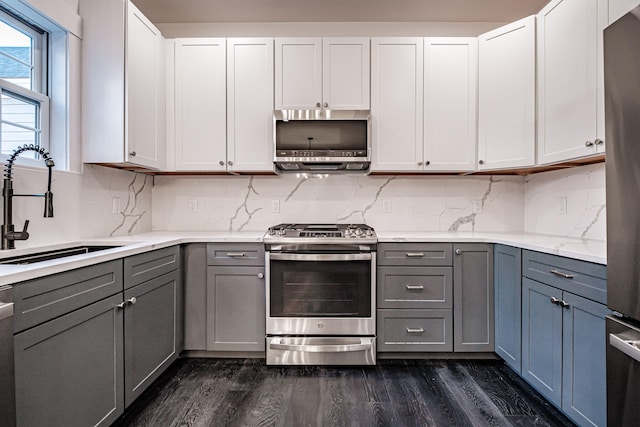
x=55, y=254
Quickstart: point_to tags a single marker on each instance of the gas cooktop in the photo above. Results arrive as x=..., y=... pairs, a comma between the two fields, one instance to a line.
x=321, y=232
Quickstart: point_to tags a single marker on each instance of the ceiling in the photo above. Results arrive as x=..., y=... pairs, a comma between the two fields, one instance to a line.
x=199, y=11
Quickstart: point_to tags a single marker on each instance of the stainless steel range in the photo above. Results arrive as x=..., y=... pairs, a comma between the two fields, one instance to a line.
x=321, y=294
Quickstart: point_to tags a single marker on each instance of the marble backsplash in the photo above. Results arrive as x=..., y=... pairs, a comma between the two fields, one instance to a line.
x=391, y=203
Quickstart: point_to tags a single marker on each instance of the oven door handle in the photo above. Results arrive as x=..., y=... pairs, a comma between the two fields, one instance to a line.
x=628, y=347
x=329, y=348
x=320, y=257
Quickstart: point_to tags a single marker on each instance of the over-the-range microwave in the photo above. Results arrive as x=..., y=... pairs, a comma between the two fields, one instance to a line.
x=322, y=141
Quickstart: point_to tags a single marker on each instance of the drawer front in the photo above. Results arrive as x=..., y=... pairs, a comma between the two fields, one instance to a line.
x=415, y=330
x=149, y=265
x=582, y=278
x=235, y=254
x=415, y=287
x=419, y=254
x=39, y=300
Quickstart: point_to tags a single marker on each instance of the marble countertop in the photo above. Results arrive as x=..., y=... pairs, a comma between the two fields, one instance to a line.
x=586, y=250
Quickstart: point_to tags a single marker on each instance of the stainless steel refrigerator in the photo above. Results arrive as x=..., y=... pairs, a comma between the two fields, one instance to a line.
x=622, y=116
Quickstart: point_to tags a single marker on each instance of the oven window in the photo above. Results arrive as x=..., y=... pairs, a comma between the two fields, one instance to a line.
x=320, y=288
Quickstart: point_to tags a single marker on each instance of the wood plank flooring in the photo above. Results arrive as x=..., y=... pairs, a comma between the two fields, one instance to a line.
x=245, y=392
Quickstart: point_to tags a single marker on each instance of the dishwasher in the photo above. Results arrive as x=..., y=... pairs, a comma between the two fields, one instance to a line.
x=7, y=378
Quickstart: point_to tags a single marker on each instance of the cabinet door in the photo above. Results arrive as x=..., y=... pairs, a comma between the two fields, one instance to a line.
x=507, y=96
x=570, y=79
x=236, y=309
x=450, y=99
x=345, y=65
x=542, y=339
x=473, y=297
x=200, y=105
x=298, y=70
x=250, y=105
x=584, y=391
x=145, y=95
x=150, y=331
x=397, y=104
x=69, y=370
x=508, y=305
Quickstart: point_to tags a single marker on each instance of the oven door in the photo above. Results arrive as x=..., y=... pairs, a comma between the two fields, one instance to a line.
x=321, y=294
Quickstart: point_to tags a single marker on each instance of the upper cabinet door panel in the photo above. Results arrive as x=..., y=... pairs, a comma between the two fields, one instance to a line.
x=250, y=104
x=298, y=70
x=618, y=8
x=346, y=63
x=397, y=103
x=200, y=105
x=569, y=79
x=507, y=96
x=450, y=99
x=145, y=63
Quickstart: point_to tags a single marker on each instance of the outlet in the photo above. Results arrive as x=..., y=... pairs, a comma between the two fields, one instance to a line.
x=193, y=205
x=562, y=205
x=275, y=206
x=116, y=205
x=477, y=206
x=386, y=206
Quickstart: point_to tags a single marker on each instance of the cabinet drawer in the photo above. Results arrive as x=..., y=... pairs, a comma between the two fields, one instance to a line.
x=582, y=278
x=415, y=287
x=415, y=330
x=422, y=254
x=149, y=265
x=235, y=254
x=39, y=300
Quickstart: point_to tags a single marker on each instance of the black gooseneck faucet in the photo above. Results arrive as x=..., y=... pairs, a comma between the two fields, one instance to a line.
x=9, y=235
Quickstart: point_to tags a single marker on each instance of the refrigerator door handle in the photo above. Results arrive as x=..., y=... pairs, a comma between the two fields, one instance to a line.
x=629, y=347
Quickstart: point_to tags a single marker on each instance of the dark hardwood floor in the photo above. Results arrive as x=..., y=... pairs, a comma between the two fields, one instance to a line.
x=245, y=392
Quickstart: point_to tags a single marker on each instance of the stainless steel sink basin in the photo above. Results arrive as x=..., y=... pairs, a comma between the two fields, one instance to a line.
x=55, y=254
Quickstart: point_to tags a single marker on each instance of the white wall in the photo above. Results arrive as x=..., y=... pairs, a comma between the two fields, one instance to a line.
x=584, y=189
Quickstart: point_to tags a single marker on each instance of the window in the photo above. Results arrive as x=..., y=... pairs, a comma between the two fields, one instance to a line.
x=24, y=106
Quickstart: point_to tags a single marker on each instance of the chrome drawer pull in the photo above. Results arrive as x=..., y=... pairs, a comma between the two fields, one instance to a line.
x=415, y=287
x=561, y=274
x=235, y=254
x=415, y=330
x=415, y=254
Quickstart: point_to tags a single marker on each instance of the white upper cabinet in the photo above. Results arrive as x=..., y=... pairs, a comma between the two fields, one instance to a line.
x=397, y=103
x=450, y=100
x=123, y=86
x=507, y=96
x=570, y=79
x=618, y=8
x=200, y=104
x=249, y=105
x=316, y=73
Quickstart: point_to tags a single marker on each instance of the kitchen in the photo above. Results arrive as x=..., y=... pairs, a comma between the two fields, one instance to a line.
x=93, y=202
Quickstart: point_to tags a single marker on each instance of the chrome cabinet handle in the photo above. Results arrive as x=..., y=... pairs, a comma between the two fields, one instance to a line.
x=415, y=330
x=318, y=104
x=230, y=163
x=481, y=162
x=260, y=276
x=565, y=304
x=235, y=254
x=121, y=305
x=419, y=163
x=221, y=163
x=555, y=301
x=561, y=274
x=588, y=144
x=415, y=287
x=132, y=154
x=599, y=142
x=458, y=251
x=131, y=301
x=560, y=302
x=326, y=105
x=414, y=254
x=427, y=163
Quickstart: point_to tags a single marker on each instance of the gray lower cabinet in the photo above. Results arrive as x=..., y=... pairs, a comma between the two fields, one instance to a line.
x=473, y=312
x=235, y=297
x=151, y=332
x=563, y=335
x=414, y=297
x=69, y=370
x=508, y=304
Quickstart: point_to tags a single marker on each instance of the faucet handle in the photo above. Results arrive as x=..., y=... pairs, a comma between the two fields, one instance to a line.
x=23, y=235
